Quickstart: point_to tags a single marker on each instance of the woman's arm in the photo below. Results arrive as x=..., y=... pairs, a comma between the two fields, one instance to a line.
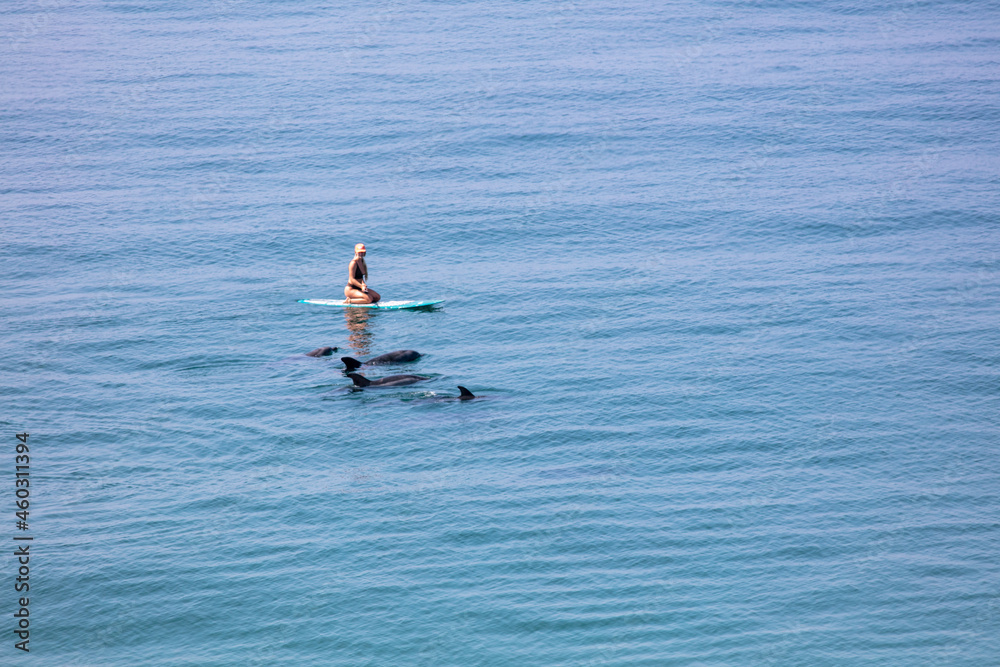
x=351, y=281
x=364, y=275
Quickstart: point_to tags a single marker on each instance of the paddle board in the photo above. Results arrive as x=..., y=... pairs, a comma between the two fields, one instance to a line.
x=381, y=305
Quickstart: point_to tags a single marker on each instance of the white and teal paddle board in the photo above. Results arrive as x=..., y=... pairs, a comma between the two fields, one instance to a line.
x=381, y=305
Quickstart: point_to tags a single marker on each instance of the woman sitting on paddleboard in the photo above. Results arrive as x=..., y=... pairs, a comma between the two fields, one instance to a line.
x=357, y=291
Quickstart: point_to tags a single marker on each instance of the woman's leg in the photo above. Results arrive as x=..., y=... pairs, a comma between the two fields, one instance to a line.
x=355, y=295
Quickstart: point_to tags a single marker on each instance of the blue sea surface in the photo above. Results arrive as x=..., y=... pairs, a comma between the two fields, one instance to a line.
x=725, y=275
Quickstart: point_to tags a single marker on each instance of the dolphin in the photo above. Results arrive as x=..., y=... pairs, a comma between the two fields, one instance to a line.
x=466, y=395
x=390, y=381
x=387, y=358
x=321, y=352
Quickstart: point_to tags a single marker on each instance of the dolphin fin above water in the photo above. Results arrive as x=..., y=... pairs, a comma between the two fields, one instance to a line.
x=351, y=363
x=359, y=380
x=465, y=395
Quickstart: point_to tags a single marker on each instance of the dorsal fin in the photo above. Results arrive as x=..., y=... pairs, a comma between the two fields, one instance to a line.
x=351, y=363
x=466, y=394
x=359, y=380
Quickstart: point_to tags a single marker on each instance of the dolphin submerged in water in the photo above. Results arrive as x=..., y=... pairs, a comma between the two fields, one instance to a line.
x=465, y=395
x=321, y=352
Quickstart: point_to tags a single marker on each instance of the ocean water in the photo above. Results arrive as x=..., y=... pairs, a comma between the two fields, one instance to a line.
x=725, y=276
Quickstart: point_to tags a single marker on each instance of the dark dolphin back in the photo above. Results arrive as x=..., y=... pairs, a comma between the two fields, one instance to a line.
x=393, y=380
x=394, y=357
x=390, y=381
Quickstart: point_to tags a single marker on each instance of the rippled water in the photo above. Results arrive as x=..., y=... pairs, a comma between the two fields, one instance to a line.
x=725, y=275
